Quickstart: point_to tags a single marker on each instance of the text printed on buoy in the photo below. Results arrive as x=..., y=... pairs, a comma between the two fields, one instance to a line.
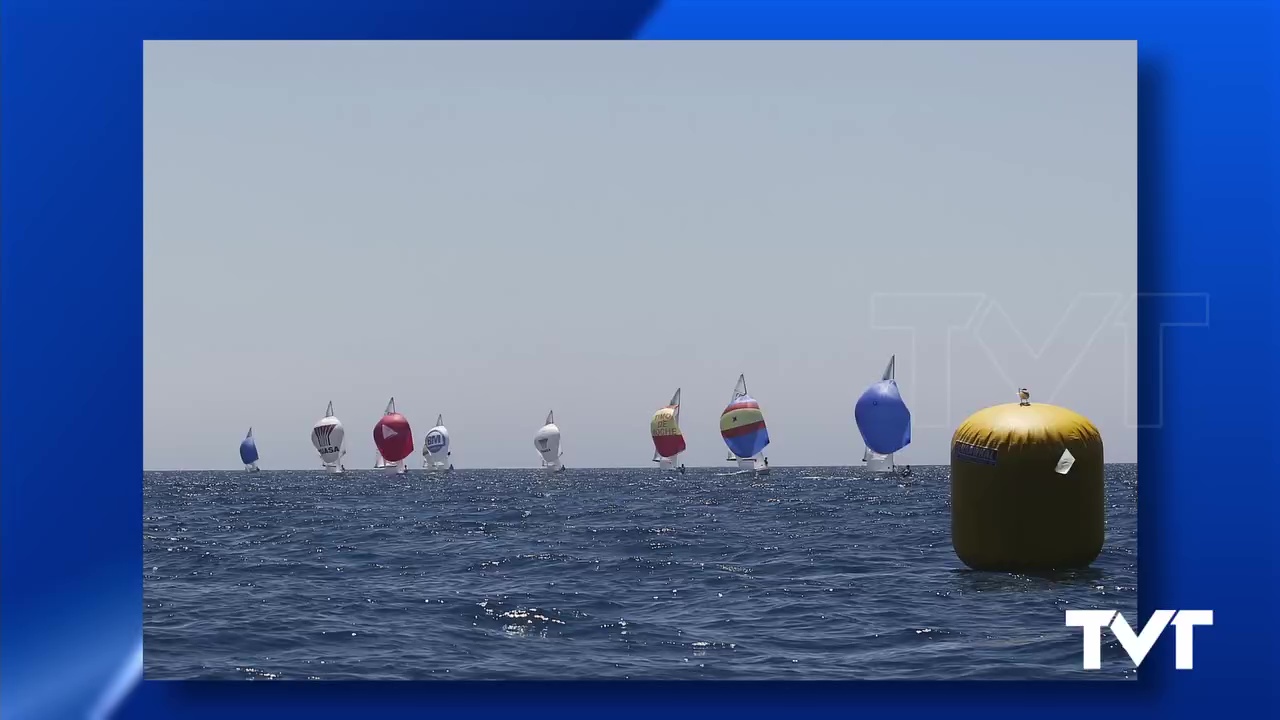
x=1138, y=645
x=975, y=454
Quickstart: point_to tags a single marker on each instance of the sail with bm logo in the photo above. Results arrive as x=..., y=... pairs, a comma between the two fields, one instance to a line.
x=435, y=446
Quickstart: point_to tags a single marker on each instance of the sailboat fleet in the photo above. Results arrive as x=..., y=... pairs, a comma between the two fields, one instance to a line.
x=882, y=417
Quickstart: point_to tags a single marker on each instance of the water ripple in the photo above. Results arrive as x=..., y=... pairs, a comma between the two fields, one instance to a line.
x=810, y=573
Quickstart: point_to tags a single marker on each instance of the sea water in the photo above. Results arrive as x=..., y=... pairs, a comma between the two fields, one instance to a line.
x=804, y=573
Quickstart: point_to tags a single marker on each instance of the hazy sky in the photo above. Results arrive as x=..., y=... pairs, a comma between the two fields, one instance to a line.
x=492, y=230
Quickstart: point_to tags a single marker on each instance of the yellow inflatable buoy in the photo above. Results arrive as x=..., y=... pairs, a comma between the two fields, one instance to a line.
x=1027, y=489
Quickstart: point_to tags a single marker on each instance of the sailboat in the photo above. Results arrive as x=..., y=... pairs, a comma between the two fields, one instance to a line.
x=249, y=452
x=743, y=429
x=664, y=427
x=435, y=447
x=327, y=436
x=884, y=422
x=393, y=438
x=547, y=443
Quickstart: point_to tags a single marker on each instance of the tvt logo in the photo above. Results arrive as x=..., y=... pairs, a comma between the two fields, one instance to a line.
x=1138, y=645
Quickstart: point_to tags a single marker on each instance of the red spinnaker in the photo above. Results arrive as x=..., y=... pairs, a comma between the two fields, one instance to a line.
x=669, y=445
x=393, y=437
x=665, y=429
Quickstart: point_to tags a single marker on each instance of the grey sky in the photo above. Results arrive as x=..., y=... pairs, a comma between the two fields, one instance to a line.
x=492, y=230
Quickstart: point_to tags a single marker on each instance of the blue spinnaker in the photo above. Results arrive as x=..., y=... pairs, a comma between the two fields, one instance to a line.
x=883, y=418
x=248, y=449
x=742, y=427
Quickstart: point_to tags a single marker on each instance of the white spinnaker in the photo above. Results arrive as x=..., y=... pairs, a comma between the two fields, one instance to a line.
x=547, y=443
x=435, y=445
x=327, y=436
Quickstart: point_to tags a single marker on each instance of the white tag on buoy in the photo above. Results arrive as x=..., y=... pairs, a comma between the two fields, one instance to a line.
x=1065, y=462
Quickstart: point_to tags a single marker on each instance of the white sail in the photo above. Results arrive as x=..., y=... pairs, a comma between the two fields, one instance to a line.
x=739, y=390
x=435, y=447
x=547, y=443
x=888, y=371
x=674, y=459
x=327, y=437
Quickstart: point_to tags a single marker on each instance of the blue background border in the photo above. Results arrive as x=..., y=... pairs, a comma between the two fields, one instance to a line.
x=71, y=342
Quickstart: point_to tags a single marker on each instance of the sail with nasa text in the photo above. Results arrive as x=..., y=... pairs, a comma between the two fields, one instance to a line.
x=249, y=452
x=664, y=428
x=435, y=447
x=327, y=436
x=547, y=443
x=393, y=437
x=884, y=421
x=742, y=426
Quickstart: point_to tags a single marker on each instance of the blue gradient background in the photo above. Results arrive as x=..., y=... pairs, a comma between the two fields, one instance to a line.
x=71, y=342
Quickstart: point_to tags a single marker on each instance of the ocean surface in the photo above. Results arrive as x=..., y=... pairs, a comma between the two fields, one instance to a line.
x=807, y=573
